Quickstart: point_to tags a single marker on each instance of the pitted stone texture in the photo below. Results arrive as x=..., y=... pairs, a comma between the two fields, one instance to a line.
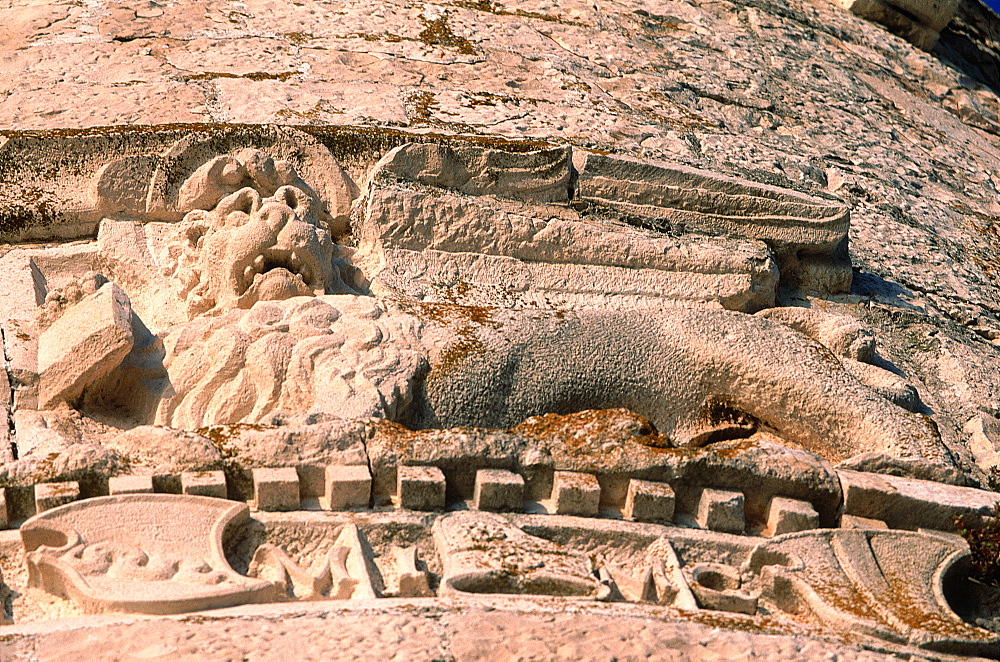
x=468, y=634
x=86, y=343
x=498, y=490
x=647, y=501
x=130, y=485
x=348, y=486
x=575, y=493
x=721, y=510
x=788, y=515
x=52, y=495
x=204, y=483
x=844, y=336
x=674, y=367
x=276, y=489
x=420, y=488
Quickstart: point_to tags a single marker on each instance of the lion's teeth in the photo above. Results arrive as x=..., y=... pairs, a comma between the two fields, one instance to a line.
x=258, y=263
x=248, y=274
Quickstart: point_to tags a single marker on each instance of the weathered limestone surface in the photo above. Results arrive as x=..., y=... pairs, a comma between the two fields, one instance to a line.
x=532, y=234
x=520, y=564
x=909, y=504
x=414, y=240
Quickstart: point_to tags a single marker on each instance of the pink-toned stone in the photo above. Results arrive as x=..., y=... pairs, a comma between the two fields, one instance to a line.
x=498, y=490
x=204, y=483
x=52, y=495
x=276, y=489
x=647, y=501
x=420, y=488
x=348, y=486
x=130, y=485
x=575, y=493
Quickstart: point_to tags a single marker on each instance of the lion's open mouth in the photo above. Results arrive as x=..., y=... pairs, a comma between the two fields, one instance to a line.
x=276, y=274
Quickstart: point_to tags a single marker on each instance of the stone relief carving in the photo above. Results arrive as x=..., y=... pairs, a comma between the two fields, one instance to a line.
x=606, y=335
x=890, y=585
x=150, y=553
x=256, y=233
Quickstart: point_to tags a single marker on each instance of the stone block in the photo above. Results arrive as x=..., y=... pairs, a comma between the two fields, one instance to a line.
x=788, y=515
x=413, y=583
x=20, y=502
x=498, y=490
x=855, y=522
x=721, y=510
x=86, y=343
x=647, y=501
x=130, y=485
x=348, y=486
x=523, y=262
x=204, y=483
x=907, y=503
x=50, y=495
x=276, y=489
x=575, y=493
x=23, y=286
x=420, y=488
